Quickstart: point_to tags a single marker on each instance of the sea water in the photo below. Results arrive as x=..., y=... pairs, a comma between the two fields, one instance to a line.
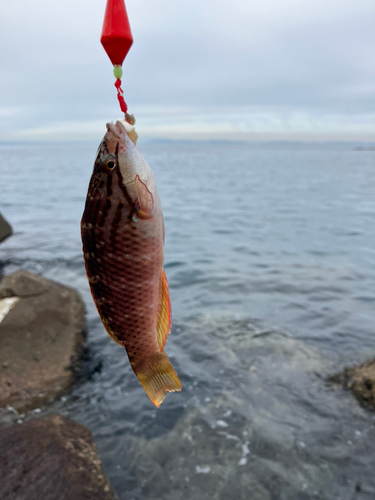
x=261, y=238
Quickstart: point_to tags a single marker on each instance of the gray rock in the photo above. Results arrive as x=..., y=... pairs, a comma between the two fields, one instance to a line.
x=278, y=430
x=42, y=335
x=23, y=284
x=5, y=229
x=52, y=458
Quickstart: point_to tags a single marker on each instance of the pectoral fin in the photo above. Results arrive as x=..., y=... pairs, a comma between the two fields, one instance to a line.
x=145, y=198
x=165, y=313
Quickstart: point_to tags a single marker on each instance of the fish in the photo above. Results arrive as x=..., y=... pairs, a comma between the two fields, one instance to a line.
x=123, y=236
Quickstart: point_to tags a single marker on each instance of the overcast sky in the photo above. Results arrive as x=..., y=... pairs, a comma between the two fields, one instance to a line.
x=236, y=69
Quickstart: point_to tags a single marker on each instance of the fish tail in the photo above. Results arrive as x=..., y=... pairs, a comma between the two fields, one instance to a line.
x=157, y=377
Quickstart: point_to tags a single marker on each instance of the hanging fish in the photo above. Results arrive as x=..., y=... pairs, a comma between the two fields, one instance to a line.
x=123, y=244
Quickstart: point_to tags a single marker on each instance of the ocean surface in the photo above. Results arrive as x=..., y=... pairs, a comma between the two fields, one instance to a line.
x=270, y=258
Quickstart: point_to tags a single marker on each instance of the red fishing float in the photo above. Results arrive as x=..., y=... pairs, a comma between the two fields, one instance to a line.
x=117, y=39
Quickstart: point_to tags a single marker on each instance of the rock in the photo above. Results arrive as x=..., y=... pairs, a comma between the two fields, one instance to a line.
x=52, y=458
x=42, y=335
x=196, y=461
x=262, y=423
x=360, y=380
x=5, y=229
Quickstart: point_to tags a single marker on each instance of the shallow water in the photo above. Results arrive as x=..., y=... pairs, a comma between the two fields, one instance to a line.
x=259, y=237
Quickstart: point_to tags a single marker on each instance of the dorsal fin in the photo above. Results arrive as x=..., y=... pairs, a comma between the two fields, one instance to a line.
x=165, y=313
x=145, y=198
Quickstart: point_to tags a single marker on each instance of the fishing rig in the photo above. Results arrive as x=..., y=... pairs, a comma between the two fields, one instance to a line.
x=117, y=39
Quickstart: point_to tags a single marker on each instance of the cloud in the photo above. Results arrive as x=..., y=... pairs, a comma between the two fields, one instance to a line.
x=231, y=123
x=314, y=58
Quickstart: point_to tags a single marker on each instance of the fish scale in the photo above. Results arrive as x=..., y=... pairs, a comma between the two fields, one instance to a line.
x=123, y=245
x=112, y=274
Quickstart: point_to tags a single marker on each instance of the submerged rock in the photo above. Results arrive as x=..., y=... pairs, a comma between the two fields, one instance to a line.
x=277, y=430
x=5, y=229
x=42, y=334
x=360, y=380
x=52, y=458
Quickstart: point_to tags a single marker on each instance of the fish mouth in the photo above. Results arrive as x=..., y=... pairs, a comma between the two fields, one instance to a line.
x=117, y=129
x=115, y=136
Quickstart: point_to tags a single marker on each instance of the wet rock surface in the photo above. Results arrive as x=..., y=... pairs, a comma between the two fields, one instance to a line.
x=52, y=458
x=42, y=335
x=360, y=380
x=5, y=229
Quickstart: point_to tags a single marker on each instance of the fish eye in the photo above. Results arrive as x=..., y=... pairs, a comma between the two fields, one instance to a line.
x=110, y=164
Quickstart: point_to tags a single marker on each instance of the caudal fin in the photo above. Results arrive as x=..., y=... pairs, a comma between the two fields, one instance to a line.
x=157, y=377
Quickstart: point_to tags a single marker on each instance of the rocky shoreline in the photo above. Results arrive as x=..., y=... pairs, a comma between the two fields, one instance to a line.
x=5, y=229
x=42, y=342
x=42, y=337
x=51, y=458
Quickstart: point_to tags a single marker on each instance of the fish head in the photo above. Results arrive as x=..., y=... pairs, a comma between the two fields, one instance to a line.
x=117, y=151
x=121, y=172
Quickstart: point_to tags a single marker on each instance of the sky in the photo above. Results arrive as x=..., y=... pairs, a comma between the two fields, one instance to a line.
x=198, y=69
